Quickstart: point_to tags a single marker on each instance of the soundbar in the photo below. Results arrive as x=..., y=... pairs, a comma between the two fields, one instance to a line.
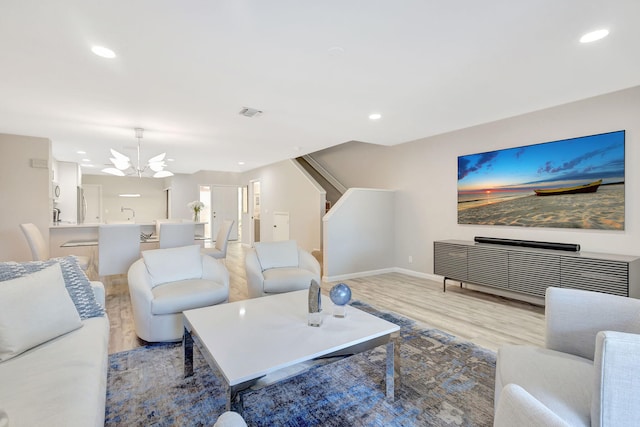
x=529, y=243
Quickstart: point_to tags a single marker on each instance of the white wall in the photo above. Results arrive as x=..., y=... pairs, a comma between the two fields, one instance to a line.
x=285, y=187
x=149, y=206
x=186, y=188
x=424, y=175
x=25, y=193
x=359, y=237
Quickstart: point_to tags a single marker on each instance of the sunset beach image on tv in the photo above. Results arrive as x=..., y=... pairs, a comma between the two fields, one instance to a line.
x=572, y=183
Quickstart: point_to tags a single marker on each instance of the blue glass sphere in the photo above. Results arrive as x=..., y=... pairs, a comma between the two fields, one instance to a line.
x=340, y=294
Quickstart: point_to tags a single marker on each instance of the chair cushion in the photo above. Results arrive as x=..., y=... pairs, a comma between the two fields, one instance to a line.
x=173, y=264
x=175, y=297
x=34, y=309
x=278, y=280
x=277, y=254
x=561, y=381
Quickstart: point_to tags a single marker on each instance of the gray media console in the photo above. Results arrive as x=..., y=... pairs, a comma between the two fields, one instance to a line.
x=530, y=271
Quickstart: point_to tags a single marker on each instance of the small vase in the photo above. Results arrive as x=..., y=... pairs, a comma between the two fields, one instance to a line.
x=196, y=216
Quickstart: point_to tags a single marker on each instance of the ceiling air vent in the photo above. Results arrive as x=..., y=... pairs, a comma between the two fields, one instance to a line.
x=249, y=112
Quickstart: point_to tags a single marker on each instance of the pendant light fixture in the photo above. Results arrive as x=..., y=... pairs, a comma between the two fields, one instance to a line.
x=123, y=166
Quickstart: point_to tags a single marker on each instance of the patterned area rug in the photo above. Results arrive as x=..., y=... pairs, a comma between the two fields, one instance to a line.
x=445, y=382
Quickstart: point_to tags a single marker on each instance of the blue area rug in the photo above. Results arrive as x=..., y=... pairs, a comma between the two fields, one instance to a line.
x=445, y=382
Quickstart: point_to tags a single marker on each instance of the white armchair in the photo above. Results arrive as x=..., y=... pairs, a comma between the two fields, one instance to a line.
x=165, y=282
x=588, y=374
x=276, y=267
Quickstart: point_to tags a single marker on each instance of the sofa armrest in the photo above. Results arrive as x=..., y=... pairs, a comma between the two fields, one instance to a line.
x=214, y=269
x=517, y=407
x=616, y=396
x=98, y=291
x=306, y=261
x=574, y=317
x=140, y=286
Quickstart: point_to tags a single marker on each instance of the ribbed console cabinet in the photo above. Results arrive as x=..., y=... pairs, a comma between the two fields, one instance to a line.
x=530, y=271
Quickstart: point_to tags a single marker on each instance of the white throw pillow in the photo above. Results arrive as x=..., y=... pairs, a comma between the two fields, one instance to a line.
x=277, y=254
x=34, y=309
x=173, y=264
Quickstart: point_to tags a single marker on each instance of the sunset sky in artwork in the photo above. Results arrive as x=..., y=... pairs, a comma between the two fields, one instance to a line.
x=562, y=163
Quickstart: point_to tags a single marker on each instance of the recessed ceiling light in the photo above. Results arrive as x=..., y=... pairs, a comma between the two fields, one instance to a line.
x=87, y=165
x=103, y=52
x=375, y=116
x=129, y=195
x=594, y=35
x=241, y=163
x=81, y=152
x=171, y=160
x=86, y=160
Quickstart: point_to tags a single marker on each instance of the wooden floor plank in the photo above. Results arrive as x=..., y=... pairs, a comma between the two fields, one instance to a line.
x=486, y=320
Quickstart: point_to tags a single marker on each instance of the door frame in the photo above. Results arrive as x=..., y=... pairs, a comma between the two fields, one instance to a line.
x=252, y=209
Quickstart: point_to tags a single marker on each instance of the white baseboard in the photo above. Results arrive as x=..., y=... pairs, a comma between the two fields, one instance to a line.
x=419, y=274
x=405, y=271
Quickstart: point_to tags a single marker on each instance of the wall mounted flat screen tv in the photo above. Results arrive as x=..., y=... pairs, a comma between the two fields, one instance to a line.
x=572, y=183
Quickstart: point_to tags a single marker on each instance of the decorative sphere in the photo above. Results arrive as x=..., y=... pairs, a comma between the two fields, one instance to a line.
x=340, y=294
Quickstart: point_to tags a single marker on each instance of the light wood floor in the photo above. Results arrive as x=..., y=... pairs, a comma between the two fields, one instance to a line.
x=488, y=321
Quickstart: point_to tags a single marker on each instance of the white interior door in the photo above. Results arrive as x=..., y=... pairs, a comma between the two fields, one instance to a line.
x=224, y=205
x=254, y=224
x=93, y=200
x=280, y=226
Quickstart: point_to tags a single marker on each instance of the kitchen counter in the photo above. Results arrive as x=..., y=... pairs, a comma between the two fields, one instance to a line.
x=63, y=232
x=66, y=224
x=63, y=224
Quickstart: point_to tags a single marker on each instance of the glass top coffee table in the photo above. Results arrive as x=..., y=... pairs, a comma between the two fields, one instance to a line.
x=249, y=339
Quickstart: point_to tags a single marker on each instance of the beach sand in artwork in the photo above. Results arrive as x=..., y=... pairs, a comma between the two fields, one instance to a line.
x=601, y=210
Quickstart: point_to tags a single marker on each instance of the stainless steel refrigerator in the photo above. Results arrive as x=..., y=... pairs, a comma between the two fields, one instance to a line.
x=82, y=206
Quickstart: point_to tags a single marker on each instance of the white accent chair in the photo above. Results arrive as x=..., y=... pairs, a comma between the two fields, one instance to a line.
x=118, y=248
x=173, y=235
x=165, y=282
x=277, y=267
x=39, y=248
x=588, y=374
x=219, y=251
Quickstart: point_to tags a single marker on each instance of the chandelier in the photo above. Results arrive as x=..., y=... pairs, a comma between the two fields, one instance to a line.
x=123, y=166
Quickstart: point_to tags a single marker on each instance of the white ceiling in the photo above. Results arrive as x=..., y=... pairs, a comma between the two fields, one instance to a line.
x=317, y=69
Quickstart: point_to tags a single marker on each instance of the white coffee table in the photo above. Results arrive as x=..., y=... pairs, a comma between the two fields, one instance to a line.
x=246, y=340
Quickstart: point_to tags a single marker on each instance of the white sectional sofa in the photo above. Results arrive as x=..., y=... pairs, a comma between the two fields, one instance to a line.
x=62, y=381
x=586, y=375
